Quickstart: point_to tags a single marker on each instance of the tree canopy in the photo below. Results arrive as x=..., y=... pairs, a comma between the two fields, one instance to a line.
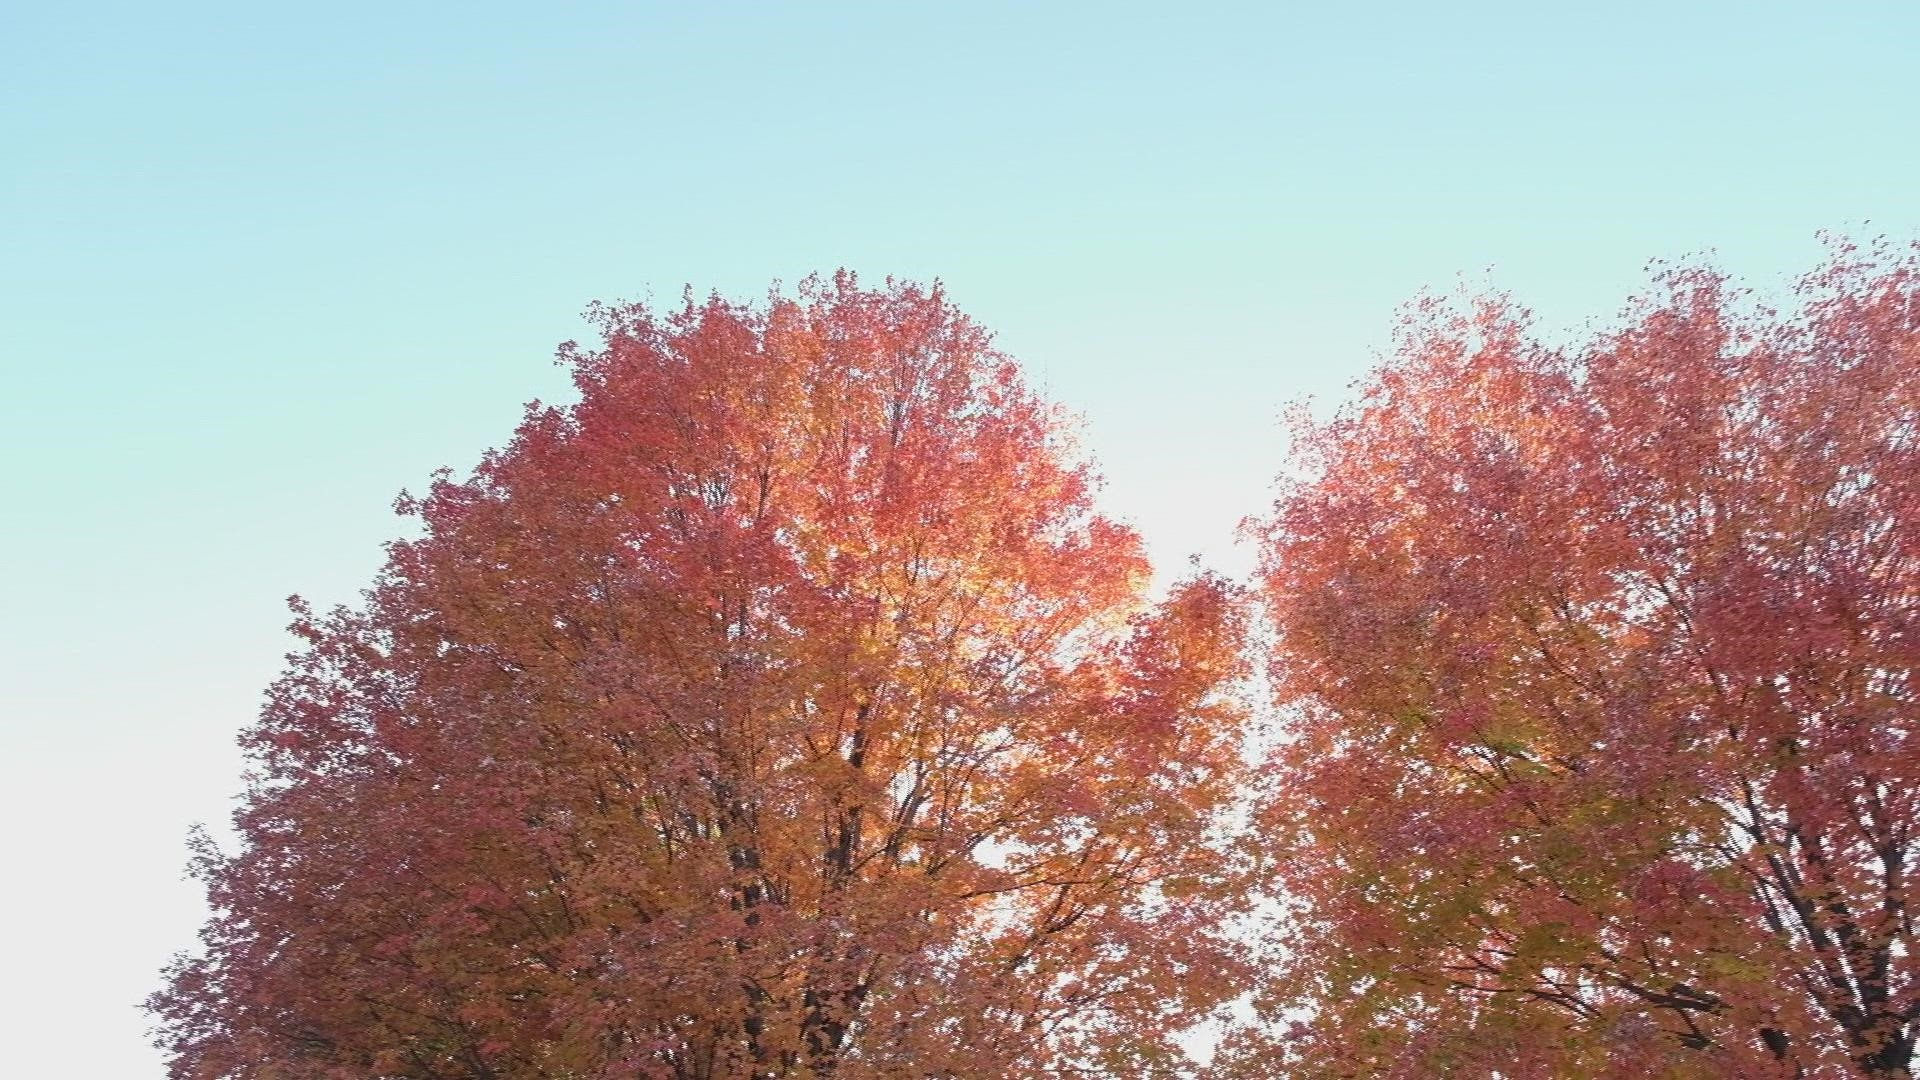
x=1604, y=752
x=785, y=708
x=782, y=708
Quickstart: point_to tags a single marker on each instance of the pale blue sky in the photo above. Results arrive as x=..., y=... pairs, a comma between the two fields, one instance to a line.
x=260, y=269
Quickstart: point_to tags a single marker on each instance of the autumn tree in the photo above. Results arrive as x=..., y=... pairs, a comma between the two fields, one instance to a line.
x=1600, y=669
x=783, y=708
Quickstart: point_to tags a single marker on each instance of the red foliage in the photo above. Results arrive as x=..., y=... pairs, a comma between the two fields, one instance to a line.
x=1601, y=662
x=782, y=708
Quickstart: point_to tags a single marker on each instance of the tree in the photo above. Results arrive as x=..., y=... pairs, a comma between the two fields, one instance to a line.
x=780, y=709
x=1601, y=668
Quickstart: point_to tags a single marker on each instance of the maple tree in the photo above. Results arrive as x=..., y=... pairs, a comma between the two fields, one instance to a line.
x=783, y=708
x=1600, y=667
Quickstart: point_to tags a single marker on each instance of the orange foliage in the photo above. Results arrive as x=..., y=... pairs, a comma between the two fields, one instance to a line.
x=782, y=708
x=1601, y=663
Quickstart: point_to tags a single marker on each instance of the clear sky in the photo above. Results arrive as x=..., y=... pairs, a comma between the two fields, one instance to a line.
x=261, y=267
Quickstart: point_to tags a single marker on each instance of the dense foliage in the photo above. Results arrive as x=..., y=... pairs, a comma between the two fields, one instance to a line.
x=781, y=708
x=1606, y=744
x=785, y=708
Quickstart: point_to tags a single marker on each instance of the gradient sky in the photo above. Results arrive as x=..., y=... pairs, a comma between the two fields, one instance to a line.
x=262, y=267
